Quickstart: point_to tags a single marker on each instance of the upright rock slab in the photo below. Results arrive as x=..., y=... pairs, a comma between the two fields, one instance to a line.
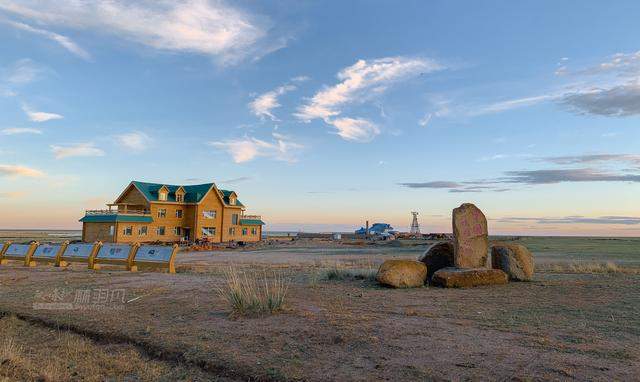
x=470, y=237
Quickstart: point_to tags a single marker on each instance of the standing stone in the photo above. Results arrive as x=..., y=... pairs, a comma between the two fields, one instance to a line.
x=514, y=259
x=470, y=237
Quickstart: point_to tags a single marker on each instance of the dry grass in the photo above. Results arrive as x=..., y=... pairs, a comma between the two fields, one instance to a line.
x=250, y=294
x=341, y=273
x=608, y=267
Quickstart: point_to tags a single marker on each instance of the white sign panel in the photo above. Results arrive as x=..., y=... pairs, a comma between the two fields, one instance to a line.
x=17, y=250
x=114, y=252
x=154, y=253
x=81, y=251
x=47, y=251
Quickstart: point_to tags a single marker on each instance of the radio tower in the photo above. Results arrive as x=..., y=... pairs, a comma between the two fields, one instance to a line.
x=415, y=227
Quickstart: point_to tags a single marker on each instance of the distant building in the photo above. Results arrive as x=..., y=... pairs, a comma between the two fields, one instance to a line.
x=377, y=229
x=147, y=212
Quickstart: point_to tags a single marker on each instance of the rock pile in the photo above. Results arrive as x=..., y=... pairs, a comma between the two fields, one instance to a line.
x=463, y=262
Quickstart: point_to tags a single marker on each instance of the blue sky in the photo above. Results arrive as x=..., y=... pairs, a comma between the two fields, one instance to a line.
x=324, y=114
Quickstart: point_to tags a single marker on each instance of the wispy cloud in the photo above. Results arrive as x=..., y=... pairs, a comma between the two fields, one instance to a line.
x=40, y=116
x=360, y=82
x=135, y=140
x=594, y=158
x=236, y=180
x=22, y=72
x=616, y=220
x=197, y=26
x=355, y=129
x=63, y=41
x=79, y=150
x=263, y=105
x=12, y=194
x=246, y=149
x=17, y=170
x=432, y=184
x=19, y=130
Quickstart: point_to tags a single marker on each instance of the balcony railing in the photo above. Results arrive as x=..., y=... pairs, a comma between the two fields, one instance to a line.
x=251, y=217
x=116, y=212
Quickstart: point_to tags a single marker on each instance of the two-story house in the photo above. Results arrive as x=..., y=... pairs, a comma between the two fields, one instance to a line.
x=148, y=212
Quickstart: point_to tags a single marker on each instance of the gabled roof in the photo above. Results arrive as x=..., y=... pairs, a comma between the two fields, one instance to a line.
x=193, y=193
x=226, y=194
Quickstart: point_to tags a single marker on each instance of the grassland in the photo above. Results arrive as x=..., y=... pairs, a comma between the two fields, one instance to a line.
x=575, y=321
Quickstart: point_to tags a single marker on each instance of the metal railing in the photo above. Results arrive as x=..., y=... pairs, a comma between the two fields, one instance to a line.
x=252, y=217
x=116, y=212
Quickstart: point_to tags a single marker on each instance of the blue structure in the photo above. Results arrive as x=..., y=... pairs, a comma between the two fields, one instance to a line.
x=377, y=229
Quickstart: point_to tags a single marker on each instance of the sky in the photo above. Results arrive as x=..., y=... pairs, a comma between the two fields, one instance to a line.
x=324, y=114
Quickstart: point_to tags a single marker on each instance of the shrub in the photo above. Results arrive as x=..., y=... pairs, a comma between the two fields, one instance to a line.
x=340, y=273
x=249, y=294
x=591, y=267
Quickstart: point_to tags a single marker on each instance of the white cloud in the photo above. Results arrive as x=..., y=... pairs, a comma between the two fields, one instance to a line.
x=424, y=121
x=359, y=80
x=263, y=104
x=40, y=116
x=20, y=130
x=78, y=150
x=359, y=83
x=502, y=106
x=355, y=130
x=135, y=140
x=15, y=170
x=249, y=148
x=63, y=41
x=22, y=72
x=196, y=26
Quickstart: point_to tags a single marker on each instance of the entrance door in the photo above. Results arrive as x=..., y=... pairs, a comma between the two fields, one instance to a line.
x=187, y=234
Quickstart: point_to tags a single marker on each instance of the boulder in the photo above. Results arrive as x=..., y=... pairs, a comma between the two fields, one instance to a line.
x=438, y=256
x=470, y=237
x=467, y=278
x=514, y=259
x=402, y=273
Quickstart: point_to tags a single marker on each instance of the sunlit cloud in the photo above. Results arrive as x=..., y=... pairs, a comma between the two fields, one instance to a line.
x=249, y=148
x=63, y=41
x=78, y=150
x=360, y=82
x=263, y=105
x=17, y=170
x=135, y=140
x=40, y=116
x=19, y=130
x=212, y=28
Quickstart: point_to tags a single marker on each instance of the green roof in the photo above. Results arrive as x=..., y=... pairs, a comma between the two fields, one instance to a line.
x=112, y=218
x=251, y=222
x=193, y=193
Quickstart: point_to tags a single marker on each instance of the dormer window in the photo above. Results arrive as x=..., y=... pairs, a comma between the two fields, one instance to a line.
x=179, y=198
x=232, y=200
x=162, y=195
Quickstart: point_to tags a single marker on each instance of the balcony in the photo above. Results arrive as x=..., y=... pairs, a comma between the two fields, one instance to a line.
x=116, y=212
x=251, y=217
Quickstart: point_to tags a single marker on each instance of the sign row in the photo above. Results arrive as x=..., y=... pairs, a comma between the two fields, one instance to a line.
x=130, y=255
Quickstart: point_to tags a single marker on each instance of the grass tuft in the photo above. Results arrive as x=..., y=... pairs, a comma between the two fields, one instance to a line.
x=340, y=273
x=249, y=294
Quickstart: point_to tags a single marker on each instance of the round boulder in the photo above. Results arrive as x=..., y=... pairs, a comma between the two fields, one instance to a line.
x=514, y=259
x=402, y=273
x=438, y=256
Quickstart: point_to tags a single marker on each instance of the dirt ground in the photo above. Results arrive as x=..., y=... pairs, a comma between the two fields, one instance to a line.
x=561, y=326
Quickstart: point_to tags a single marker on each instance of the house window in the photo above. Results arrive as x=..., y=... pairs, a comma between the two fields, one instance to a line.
x=142, y=231
x=254, y=231
x=209, y=214
x=160, y=231
x=232, y=231
x=234, y=219
x=128, y=231
x=112, y=230
x=209, y=231
x=179, y=198
x=162, y=196
x=245, y=231
x=178, y=213
x=162, y=213
x=177, y=231
x=232, y=200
